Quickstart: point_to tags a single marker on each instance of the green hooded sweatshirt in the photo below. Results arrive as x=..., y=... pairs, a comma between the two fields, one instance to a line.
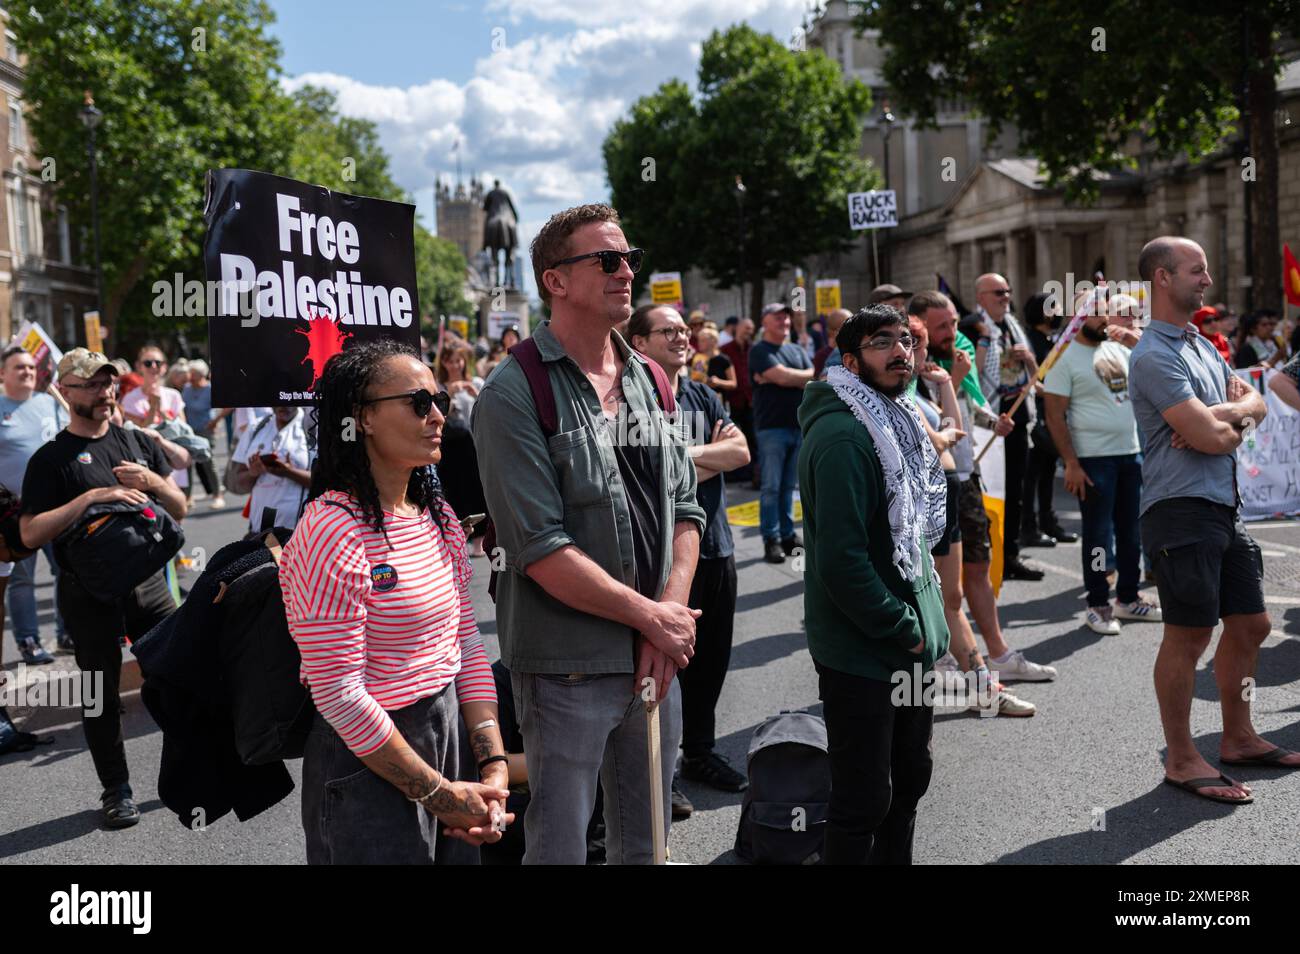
x=862, y=617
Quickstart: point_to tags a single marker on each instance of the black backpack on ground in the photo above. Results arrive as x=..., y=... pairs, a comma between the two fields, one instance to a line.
x=784, y=811
x=543, y=393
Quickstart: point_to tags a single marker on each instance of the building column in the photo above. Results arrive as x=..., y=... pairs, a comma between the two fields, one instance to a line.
x=1118, y=266
x=1045, y=262
x=1014, y=273
x=912, y=169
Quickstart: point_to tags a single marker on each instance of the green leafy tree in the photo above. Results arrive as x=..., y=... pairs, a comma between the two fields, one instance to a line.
x=184, y=86
x=440, y=274
x=786, y=123
x=1082, y=82
x=338, y=152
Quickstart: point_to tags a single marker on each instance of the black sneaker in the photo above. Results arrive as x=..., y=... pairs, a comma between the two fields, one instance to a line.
x=1059, y=535
x=789, y=543
x=713, y=770
x=65, y=647
x=1018, y=570
x=682, y=807
x=119, y=809
x=1036, y=540
x=34, y=654
x=772, y=552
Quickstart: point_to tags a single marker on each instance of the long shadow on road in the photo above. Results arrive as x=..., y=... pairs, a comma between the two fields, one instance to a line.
x=56, y=831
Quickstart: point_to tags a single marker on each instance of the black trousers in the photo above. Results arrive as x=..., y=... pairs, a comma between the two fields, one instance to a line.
x=208, y=475
x=713, y=592
x=96, y=628
x=1016, y=445
x=1040, y=482
x=880, y=767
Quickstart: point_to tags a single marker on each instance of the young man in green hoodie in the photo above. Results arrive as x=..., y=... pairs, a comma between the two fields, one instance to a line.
x=874, y=499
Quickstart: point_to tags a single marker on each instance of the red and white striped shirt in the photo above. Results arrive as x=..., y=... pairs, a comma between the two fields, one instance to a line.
x=380, y=623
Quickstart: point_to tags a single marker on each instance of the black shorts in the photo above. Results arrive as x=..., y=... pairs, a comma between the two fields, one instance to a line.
x=973, y=522
x=952, y=529
x=1205, y=563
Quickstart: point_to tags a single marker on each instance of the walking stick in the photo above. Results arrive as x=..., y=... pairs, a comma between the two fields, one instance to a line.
x=655, y=762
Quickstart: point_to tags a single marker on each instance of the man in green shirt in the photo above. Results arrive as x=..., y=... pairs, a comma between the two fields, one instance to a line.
x=874, y=498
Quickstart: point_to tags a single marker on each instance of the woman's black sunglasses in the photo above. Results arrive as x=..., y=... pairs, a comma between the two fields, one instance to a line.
x=609, y=259
x=421, y=400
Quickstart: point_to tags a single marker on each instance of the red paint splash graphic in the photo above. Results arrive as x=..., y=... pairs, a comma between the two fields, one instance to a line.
x=324, y=341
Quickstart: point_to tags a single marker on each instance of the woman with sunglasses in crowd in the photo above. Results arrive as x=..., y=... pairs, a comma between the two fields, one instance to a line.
x=376, y=592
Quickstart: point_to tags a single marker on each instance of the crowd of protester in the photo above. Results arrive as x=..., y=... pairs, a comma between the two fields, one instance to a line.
x=613, y=564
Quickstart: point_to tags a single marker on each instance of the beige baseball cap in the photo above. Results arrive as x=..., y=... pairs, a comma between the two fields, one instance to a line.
x=84, y=363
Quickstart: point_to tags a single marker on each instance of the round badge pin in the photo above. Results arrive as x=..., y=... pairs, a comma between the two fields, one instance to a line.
x=384, y=577
x=85, y=457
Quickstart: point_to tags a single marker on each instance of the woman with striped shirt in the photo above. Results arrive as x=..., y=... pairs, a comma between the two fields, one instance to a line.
x=376, y=591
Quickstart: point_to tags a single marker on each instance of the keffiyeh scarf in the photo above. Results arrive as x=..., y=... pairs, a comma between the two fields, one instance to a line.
x=915, y=487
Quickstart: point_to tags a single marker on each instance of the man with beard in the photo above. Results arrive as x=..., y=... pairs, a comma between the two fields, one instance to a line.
x=1006, y=366
x=1091, y=419
x=94, y=461
x=874, y=498
x=973, y=583
x=1193, y=411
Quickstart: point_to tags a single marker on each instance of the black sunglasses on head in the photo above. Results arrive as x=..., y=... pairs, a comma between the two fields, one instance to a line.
x=609, y=259
x=421, y=400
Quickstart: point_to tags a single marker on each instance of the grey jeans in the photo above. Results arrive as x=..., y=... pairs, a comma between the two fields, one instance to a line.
x=579, y=728
x=351, y=816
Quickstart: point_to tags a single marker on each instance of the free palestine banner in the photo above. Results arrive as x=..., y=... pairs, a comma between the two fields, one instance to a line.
x=299, y=271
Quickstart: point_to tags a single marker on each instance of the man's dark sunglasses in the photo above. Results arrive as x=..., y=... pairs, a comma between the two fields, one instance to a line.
x=421, y=400
x=609, y=259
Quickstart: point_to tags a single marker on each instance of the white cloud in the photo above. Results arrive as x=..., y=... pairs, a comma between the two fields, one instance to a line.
x=536, y=111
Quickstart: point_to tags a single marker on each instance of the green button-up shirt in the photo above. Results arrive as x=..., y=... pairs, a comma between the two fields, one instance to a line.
x=544, y=494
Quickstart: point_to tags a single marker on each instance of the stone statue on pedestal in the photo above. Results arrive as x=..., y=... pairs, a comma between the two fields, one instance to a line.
x=499, y=233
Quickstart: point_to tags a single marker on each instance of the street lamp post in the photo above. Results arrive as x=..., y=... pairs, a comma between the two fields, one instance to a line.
x=740, y=241
x=91, y=118
x=887, y=121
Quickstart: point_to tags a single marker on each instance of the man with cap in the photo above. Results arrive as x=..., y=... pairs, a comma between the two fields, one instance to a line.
x=890, y=295
x=780, y=371
x=94, y=461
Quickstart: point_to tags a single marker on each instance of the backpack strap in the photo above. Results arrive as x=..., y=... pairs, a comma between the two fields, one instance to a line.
x=539, y=383
x=667, y=400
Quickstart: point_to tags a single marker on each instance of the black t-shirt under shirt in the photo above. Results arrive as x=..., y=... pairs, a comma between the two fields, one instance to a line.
x=68, y=466
x=639, y=468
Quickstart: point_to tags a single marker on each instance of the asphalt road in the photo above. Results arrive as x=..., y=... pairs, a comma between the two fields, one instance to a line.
x=1016, y=791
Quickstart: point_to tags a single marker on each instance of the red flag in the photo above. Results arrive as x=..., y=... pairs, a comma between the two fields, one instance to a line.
x=1290, y=276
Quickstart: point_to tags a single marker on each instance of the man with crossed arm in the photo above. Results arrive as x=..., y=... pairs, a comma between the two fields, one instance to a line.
x=1193, y=411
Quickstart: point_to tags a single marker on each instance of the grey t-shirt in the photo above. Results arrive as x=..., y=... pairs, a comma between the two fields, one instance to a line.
x=1171, y=365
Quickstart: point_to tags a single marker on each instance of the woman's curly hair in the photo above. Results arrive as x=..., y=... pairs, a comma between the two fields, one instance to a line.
x=342, y=461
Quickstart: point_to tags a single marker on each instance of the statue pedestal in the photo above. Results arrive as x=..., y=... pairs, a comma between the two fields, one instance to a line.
x=503, y=308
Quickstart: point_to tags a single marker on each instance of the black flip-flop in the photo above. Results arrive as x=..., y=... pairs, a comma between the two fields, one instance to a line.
x=1270, y=759
x=1194, y=786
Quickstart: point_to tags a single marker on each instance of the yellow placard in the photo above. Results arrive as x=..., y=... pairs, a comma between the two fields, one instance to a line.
x=828, y=295
x=94, y=337
x=666, y=288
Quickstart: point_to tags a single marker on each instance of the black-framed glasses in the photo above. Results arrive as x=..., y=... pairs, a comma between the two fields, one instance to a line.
x=92, y=386
x=421, y=400
x=609, y=259
x=673, y=333
x=887, y=343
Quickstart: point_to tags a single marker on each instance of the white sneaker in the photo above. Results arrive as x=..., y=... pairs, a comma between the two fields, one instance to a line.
x=1017, y=668
x=947, y=663
x=1004, y=703
x=1141, y=610
x=1101, y=620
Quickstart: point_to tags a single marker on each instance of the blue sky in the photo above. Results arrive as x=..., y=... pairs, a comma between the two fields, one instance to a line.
x=528, y=87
